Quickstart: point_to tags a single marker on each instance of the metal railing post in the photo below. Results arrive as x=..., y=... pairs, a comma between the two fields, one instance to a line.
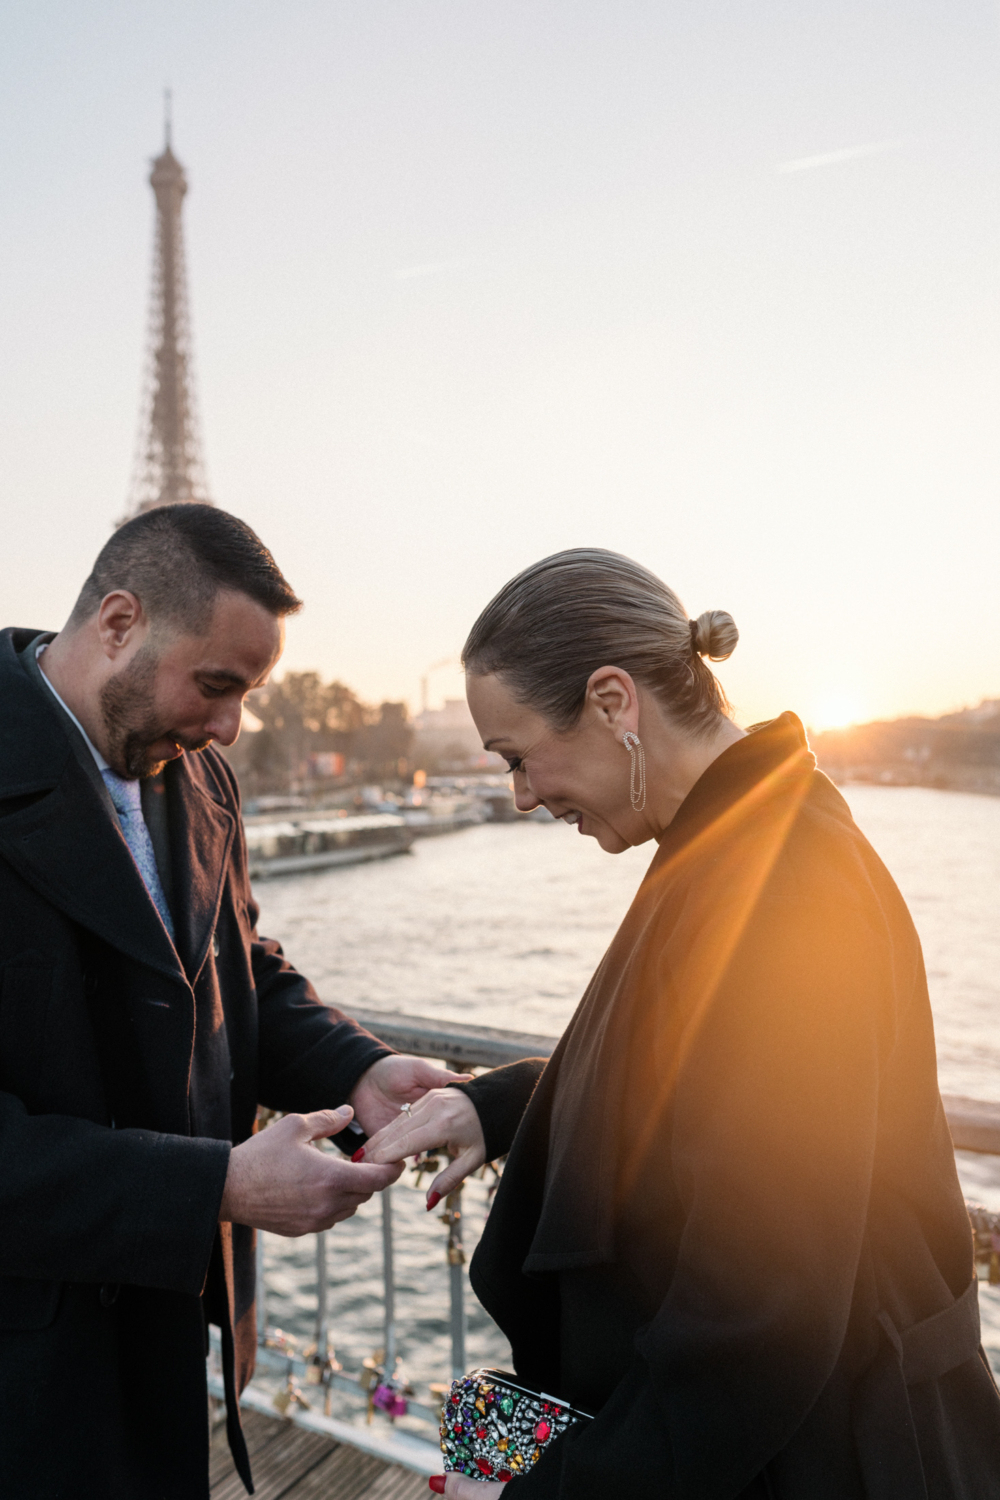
x=389, y=1280
x=456, y=1277
x=322, y=1314
x=261, y=1290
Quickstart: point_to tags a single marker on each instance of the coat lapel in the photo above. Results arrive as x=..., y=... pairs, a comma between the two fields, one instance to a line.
x=66, y=846
x=59, y=836
x=201, y=836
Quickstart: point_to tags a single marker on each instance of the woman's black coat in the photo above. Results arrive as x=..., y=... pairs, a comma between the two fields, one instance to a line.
x=730, y=1223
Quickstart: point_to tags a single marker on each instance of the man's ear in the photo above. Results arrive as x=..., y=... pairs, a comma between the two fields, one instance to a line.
x=612, y=694
x=119, y=616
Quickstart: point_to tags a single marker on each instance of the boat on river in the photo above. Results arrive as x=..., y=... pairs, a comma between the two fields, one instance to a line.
x=288, y=840
x=292, y=845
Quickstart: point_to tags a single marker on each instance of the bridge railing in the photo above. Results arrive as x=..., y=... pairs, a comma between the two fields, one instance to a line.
x=974, y=1125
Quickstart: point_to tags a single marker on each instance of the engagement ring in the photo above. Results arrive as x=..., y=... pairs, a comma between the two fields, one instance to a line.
x=404, y=1109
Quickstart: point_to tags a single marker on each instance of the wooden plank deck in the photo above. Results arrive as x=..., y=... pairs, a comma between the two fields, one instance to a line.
x=290, y=1463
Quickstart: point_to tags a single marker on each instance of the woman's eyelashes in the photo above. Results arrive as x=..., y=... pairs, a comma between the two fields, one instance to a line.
x=514, y=763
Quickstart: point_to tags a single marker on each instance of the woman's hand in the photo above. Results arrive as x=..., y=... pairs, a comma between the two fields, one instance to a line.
x=442, y=1118
x=457, y=1487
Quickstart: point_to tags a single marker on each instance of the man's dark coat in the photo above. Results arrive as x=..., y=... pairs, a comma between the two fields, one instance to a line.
x=730, y=1223
x=108, y=1201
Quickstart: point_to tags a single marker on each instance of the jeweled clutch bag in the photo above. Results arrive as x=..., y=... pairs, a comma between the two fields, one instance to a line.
x=493, y=1427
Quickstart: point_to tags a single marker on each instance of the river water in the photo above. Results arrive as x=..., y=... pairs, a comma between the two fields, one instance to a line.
x=503, y=925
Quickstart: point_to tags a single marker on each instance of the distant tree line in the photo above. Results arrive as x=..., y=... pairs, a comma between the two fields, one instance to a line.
x=958, y=751
x=317, y=733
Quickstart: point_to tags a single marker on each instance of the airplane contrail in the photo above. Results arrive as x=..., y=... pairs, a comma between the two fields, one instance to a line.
x=831, y=158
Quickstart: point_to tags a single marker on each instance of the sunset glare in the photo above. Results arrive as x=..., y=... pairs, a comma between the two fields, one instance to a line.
x=836, y=711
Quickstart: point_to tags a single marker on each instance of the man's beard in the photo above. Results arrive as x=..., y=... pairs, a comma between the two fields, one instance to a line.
x=130, y=721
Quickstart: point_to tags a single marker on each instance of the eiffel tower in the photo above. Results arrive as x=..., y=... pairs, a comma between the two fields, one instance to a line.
x=168, y=465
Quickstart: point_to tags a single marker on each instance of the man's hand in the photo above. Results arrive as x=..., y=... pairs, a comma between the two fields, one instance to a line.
x=278, y=1180
x=444, y=1117
x=379, y=1095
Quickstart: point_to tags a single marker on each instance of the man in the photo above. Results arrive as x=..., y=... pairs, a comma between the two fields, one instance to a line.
x=142, y=1019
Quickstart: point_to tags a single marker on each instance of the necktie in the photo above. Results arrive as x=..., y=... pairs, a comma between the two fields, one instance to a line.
x=128, y=805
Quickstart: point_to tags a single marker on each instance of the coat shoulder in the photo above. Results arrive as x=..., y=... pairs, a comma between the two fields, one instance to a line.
x=826, y=847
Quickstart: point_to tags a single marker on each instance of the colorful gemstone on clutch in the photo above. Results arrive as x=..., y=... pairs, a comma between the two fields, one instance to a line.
x=456, y=1398
x=506, y=1405
x=504, y=1476
x=542, y=1431
x=484, y=1467
x=480, y=1432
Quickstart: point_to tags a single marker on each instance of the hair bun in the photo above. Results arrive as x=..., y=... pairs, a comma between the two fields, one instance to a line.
x=714, y=634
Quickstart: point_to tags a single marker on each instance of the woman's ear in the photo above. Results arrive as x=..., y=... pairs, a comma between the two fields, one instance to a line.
x=612, y=695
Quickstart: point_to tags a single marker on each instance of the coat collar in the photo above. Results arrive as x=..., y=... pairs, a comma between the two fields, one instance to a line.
x=60, y=839
x=33, y=747
x=761, y=765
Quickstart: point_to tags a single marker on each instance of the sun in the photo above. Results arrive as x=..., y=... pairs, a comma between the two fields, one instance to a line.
x=835, y=710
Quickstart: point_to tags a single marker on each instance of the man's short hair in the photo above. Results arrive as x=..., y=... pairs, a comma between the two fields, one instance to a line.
x=177, y=558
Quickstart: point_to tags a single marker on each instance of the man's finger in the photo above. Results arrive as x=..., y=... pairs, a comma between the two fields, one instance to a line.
x=324, y=1122
x=341, y=1218
x=443, y=1076
x=368, y=1177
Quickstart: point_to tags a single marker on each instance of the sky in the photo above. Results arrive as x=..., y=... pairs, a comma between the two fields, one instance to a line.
x=711, y=283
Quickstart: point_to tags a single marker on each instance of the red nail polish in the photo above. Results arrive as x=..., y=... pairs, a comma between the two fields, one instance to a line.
x=359, y=1154
x=432, y=1202
x=436, y=1483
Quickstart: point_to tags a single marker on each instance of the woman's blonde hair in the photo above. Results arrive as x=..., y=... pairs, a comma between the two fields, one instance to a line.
x=554, y=624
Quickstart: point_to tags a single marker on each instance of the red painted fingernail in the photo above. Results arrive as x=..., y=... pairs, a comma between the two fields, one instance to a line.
x=436, y=1483
x=432, y=1202
x=359, y=1154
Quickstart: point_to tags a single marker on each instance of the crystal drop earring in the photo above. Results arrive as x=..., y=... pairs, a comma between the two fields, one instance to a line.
x=637, y=779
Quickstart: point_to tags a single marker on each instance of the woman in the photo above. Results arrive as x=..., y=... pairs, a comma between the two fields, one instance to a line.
x=729, y=1224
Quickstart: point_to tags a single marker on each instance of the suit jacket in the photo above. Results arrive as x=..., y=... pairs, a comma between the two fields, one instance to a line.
x=109, y=1241
x=730, y=1223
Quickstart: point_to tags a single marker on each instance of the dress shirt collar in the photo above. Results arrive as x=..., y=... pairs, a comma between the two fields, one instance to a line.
x=99, y=760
